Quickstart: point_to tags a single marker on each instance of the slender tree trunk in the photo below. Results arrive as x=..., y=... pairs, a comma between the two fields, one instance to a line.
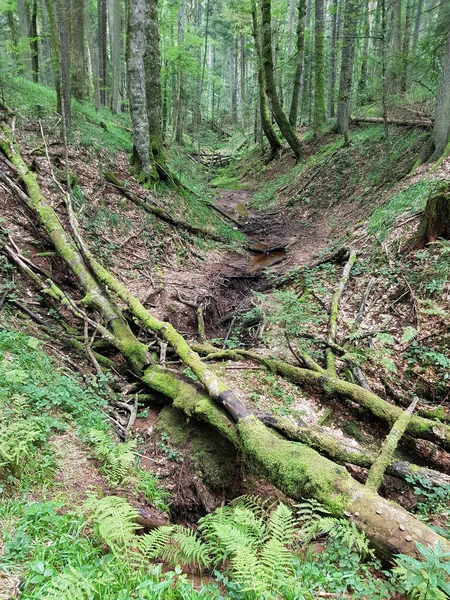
x=348, y=50
x=396, y=46
x=306, y=101
x=418, y=20
x=92, y=56
x=362, y=85
x=385, y=90
x=46, y=75
x=334, y=7
x=152, y=73
x=319, y=72
x=78, y=58
x=266, y=52
x=23, y=12
x=264, y=111
x=299, y=63
x=233, y=84
x=179, y=108
x=116, y=55
x=406, y=42
x=34, y=45
x=102, y=53
x=136, y=42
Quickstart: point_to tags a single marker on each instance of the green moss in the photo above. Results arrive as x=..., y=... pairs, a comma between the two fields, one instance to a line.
x=297, y=470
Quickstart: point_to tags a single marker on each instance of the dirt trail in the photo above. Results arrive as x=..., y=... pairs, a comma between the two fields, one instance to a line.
x=278, y=240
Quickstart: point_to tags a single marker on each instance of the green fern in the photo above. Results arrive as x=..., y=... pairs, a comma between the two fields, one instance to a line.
x=115, y=521
x=72, y=584
x=175, y=544
x=118, y=459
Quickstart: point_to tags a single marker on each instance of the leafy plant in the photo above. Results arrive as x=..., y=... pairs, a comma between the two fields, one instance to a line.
x=427, y=579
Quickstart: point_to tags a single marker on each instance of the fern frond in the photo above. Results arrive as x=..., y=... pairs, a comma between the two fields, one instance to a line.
x=310, y=509
x=261, y=507
x=174, y=544
x=274, y=560
x=281, y=525
x=115, y=520
x=244, y=569
x=72, y=584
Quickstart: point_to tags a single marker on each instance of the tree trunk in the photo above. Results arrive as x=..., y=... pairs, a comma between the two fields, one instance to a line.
x=333, y=56
x=396, y=46
x=440, y=138
x=78, y=59
x=102, y=53
x=23, y=12
x=266, y=52
x=92, y=56
x=116, y=55
x=362, y=84
x=233, y=83
x=33, y=40
x=152, y=73
x=406, y=41
x=65, y=66
x=416, y=35
x=136, y=42
x=319, y=72
x=179, y=120
x=345, y=85
x=299, y=63
x=265, y=116
x=435, y=221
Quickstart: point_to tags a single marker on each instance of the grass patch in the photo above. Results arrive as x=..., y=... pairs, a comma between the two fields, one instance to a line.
x=225, y=182
x=412, y=199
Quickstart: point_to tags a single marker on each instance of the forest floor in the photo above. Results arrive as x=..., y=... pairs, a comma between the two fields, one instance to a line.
x=285, y=219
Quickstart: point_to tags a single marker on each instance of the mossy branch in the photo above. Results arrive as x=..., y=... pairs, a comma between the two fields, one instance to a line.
x=334, y=313
x=377, y=470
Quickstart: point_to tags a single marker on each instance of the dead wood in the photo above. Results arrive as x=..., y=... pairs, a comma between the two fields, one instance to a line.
x=427, y=123
x=161, y=214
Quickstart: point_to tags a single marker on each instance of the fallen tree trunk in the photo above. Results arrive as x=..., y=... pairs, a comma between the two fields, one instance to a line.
x=297, y=470
x=332, y=386
x=159, y=212
x=427, y=123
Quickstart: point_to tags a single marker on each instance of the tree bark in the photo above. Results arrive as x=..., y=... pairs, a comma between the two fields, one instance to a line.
x=33, y=41
x=265, y=116
x=406, y=44
x=116, y=55
x=440, y=138
x=435, y=221
x=335, y=6
x=92, y=56
x=78, y=59
x=23, y=12
x=396, y=46
x=136, y=43
x=299, y=63
x=266, y=51
x=102, y=50
x=319, y=66
x=345, y=85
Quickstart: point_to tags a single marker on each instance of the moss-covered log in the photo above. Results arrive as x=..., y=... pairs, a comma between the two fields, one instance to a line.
x=420, y=427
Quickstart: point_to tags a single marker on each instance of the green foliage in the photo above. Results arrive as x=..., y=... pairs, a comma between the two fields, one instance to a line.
x=411, y=199
x=114, y=520
x=427, y=579
x=174, y=544
x=118, y=459
x=73, y=584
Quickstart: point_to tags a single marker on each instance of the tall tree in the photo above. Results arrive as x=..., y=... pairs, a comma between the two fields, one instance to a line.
x=345, y=84
x=116, y=54
x=396, y=46
x=143, y=67
x=299, y=63
x=362, y=84
x=264, y=111
x=266, y=52
x=102, y=50
x=406, y=44
x=334, y=10
x=92, y=53
x=319, y=72
x=78, y=58
x=23, y=12
x=33, y=41
x=440, y=138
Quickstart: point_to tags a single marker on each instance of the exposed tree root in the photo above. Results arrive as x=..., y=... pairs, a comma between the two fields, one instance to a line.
x=297, y=470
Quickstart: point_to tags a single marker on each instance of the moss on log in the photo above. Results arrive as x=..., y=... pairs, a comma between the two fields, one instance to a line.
x=420, y=427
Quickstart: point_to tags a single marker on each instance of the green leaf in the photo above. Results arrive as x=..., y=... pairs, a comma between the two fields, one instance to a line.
x=409, y=333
